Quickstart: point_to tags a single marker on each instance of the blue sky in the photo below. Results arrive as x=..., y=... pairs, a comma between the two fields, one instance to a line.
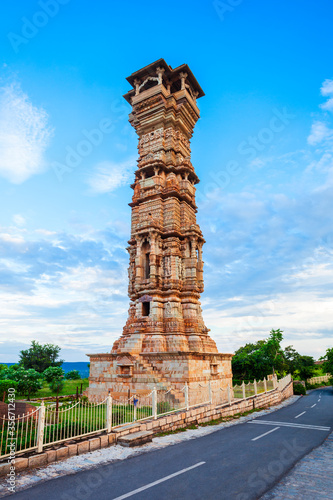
x=262, y=149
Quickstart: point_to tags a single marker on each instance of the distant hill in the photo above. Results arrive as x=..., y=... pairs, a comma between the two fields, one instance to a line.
x=81, y=366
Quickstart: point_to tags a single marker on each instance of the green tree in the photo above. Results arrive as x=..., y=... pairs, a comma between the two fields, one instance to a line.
x=73, y=375
x=56, y=385
x=39, y=357
x=328, y=361
x=53, y=372
x=28, y=381
x=291, y=357
x=305, y=367
x=5, y=385
x=273, y=349
x=256, y=361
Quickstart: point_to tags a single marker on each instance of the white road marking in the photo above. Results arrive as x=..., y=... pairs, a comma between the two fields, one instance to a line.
x=314, y=405
x=262, y=435
x=166, y=478
x=287, y=424
x=300, y=414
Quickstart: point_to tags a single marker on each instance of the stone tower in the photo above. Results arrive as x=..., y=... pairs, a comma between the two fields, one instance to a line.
x=165, y=341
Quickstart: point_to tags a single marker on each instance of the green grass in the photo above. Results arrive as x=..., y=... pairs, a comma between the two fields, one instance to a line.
x=69, y=388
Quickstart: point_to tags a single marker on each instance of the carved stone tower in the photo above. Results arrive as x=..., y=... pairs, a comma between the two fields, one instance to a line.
x=165, y=341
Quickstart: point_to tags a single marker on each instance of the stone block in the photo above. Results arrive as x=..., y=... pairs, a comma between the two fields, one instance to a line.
x=104, y=441
x=51, y=456
x=136, y=438
x=62, y=453
x=37, y=460
x=72, y=449
x=21, y=464
x=94, y=444
x=83, y=447
x=4, y=469
x=112, y=438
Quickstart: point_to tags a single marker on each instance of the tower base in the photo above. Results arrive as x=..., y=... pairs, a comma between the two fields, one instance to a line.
x=126, y=374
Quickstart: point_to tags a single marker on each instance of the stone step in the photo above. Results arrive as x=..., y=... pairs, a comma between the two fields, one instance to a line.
x=136, y=439
x=126, y=427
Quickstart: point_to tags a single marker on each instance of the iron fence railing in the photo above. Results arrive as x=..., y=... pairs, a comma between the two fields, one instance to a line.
x=56, y=423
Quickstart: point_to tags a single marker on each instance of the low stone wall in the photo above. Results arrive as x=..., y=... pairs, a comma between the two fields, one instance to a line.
x=165, y=423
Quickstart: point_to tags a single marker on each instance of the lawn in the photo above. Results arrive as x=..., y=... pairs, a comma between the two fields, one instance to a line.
x=69, y=389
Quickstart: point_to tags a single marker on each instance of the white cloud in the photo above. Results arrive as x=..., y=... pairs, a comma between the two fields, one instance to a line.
x=327, y=88
x=18, y=219
x=319, y=133
x=109, y=176
x=24, y=135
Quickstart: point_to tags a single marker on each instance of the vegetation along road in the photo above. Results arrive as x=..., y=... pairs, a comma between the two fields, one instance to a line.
x=241, y=462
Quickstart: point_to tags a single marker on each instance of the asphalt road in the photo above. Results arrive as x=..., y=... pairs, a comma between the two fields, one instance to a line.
x=241, y=462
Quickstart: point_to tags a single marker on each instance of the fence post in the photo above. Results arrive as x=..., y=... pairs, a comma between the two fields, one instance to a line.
x=40, y=427
x=229, y=395
x=255, y=387
x=243, y=389
x=109, y=413
x=134, y=402
x=210, y=392
x=275, y=382
x=265, y=384
x=154, y=402
x=187, y=404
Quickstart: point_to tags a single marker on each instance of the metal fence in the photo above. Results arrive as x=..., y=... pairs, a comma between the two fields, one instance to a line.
x=55, y=423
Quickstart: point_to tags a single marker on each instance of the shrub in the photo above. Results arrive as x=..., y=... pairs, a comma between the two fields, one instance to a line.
x=73, y=375
x=53, y=372
x=28, y=381
x=57, y=385
x=5, y=385
x=299, y=389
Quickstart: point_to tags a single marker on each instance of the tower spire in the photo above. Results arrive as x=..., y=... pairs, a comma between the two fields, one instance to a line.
x=166, y=267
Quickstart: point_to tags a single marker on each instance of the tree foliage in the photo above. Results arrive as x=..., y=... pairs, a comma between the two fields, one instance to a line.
x=5, y=385
x=53, y=372
x=28, y=381
x=256, y=361
x=40, y=357
x=306, y=367
x=73, y=375
x=56, y=385
x=328, y=361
